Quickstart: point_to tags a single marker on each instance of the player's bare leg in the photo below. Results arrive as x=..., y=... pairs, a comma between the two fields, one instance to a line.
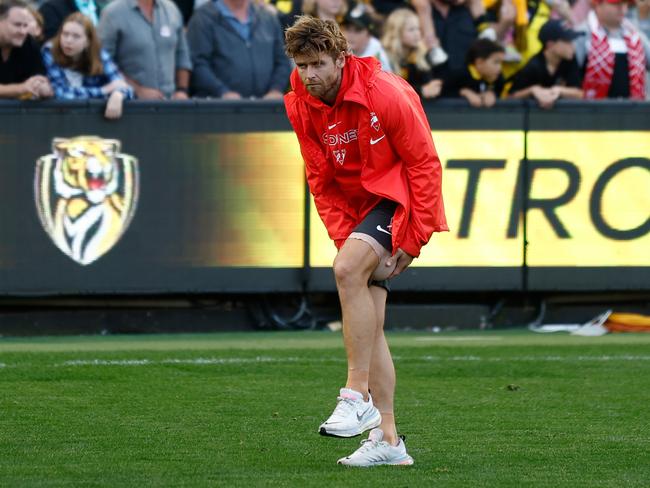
x=382, y=371
x=382, y=445
x=355, y=412
x=353, y=266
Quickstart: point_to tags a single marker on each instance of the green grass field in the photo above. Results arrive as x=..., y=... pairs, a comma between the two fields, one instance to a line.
x=478, y=409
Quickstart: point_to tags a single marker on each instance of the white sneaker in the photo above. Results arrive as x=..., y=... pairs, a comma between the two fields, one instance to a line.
x=374, y=451
x=352, y=416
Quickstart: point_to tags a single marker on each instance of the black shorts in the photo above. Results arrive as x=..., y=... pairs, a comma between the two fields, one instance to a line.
x=378, y=224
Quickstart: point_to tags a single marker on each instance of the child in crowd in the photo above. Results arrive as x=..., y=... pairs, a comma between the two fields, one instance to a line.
x=407, y=52
x=480, y=81
x=357, y=28
x=79, y=69
x=552, y=73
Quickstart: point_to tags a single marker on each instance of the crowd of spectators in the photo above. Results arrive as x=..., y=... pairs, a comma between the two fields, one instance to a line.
x=479, y=50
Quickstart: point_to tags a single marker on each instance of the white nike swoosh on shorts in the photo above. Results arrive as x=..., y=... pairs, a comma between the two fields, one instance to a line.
x=379, y=228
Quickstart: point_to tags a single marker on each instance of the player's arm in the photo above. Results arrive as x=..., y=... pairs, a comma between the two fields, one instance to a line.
x=410, y=135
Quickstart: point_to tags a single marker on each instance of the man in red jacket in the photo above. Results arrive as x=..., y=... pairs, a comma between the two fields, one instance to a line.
x=376, y=180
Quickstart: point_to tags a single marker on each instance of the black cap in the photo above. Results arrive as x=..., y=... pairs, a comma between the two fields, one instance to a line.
x=358, y=17
x=554, y=30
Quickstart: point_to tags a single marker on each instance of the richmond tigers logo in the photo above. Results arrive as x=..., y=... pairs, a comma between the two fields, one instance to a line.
x=86, y=195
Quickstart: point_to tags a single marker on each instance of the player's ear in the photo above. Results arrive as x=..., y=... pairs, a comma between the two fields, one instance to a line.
x=340, y=61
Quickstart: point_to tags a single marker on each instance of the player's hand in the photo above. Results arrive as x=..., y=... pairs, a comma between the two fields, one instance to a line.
x=402, y=260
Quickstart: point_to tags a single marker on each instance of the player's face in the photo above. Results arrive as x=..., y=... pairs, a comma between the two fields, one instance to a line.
x=321, y=74
x=490, y=67
x=14, y=27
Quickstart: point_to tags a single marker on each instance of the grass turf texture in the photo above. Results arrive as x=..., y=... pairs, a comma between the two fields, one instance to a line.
x=479, y=409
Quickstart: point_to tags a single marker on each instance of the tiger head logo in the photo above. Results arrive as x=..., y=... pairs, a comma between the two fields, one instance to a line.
x=86, y=194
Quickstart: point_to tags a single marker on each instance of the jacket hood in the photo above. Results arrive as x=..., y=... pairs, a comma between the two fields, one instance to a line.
x=359, y=74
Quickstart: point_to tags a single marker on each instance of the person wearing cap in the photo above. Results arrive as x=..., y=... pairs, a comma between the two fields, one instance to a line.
x=553, y=72
x=613, y=54
x=357, y=28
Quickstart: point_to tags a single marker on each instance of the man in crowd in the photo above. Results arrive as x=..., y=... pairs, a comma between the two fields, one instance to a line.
x=376, y=179
x=613, y=53
x=238, y=51
x=146, y=40
x=21, y=67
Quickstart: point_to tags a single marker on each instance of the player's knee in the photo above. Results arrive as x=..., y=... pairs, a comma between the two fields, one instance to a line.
x=349, y=272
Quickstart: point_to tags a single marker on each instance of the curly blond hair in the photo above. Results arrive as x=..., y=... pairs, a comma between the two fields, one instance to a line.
x=310, y=36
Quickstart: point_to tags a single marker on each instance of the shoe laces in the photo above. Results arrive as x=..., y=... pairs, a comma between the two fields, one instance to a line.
x=369, y=444
x=344, y=406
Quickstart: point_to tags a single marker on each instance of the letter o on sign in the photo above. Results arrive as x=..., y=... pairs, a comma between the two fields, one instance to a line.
x=596, y=201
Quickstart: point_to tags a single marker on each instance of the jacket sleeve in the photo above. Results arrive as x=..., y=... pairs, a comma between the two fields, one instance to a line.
x=410, y=135
x=335, y=212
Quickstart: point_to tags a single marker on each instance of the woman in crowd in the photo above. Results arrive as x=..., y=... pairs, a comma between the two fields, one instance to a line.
x=407, y=52
x=79, y=69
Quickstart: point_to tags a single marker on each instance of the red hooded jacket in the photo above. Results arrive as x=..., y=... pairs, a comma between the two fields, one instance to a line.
x=398, y=159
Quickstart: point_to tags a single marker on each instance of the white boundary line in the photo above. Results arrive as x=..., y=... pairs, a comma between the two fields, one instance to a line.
x=271, y=360
x=292, y=359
